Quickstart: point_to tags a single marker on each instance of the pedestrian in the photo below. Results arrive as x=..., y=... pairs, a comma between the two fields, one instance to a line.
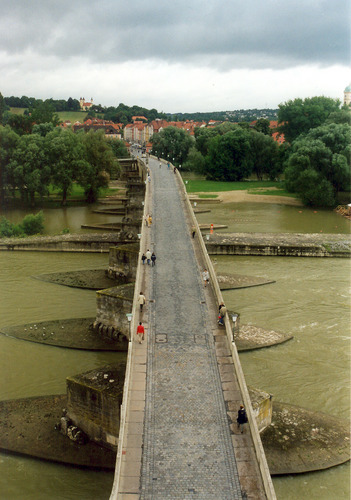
x=149, y=220
x=148, y=256
x=153, y=259
x=222, y=313
x=242, y=418
x=193, y=232
x=141, y=300
x=168, y=165
x=140, y=332
x=206, y=277
x=174, y=169
x=143, y=258
x=160, y=164
x=149, y=178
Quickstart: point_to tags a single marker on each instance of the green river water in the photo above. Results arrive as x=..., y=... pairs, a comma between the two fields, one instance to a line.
x=310, y=299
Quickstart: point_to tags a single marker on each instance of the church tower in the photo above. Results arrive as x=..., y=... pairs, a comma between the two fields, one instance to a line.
x=347, y=95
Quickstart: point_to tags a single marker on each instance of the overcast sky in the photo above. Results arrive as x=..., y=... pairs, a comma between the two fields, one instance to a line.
x=175, y=56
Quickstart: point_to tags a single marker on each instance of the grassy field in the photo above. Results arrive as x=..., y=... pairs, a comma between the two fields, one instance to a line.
x=72, y=116
x=270, y=188
x=17, y=111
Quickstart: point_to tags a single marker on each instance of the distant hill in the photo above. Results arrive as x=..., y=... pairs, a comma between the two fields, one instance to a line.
x=240, y=115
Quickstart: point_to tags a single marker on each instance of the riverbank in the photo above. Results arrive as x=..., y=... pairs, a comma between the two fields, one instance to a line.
x=244, y=195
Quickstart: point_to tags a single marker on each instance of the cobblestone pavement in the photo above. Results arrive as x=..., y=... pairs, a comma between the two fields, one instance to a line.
x=188, y=451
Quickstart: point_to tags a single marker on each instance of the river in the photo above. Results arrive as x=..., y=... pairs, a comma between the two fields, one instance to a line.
x=310, y=299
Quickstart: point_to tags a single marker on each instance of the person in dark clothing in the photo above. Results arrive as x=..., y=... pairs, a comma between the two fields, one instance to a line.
x=153, y=259
x=242, y=418
x=143, y=258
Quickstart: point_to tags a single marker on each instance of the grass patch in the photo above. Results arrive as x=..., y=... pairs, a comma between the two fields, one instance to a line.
x=200, y=185
x=72, y=116
x=273, y=192
x=208, y=195
x=17, y=111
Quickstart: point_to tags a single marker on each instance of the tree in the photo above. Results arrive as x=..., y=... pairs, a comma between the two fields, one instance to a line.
x=173, y=144
x=21, y=124
x=229, y=157
x=66, y=155
x=73, y=104
x=44, y=112
x=100, y=163
x=29, y=167
x=342, y=116
x=8, y=143
x=195, y=161
x=299, y=116
x=119, y=148
x=203, y=137
x=263, y=125
x=319, y=165
x=43, y=129
x=265, y=157
x=3, y=107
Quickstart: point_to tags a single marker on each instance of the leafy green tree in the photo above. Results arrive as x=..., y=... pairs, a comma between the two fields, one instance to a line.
x=203, y=137
x=73, y=104
x=265, y=157
x=195, y=161
x=66, y=155
x=299, y=116
x=8, y=144
x=173, y=144
x=319, y=165
x=44, y=112
x=29, y=167
x=119, y=148
x=342, y=116
x=3, y=107
x=43, y=129
x=21, y=124
x=100, y=160
x=229, y=157
x=263, y=125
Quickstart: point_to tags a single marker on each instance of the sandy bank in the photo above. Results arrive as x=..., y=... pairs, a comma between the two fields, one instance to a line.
x=240, y=196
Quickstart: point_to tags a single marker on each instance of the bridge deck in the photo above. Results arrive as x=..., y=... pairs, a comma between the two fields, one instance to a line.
x=180, y=439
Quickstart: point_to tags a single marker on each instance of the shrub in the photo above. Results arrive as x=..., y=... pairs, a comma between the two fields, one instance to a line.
x=33, y=224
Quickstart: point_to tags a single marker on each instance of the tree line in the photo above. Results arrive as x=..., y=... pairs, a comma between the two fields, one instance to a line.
x=314, y=162
x=50, y=156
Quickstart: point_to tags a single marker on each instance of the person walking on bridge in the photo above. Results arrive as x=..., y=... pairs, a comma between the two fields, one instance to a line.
x=242, y=418
x=140, y=332
x=206, y=277
x=153, y=259
x=141, y=300
x=222, y=313
x=148, y=256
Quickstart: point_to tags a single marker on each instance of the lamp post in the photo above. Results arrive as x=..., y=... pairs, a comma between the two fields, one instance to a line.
x=234, y=319
x=129, y=317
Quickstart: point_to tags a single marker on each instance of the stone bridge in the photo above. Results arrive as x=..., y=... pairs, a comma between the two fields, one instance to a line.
x=178, y=434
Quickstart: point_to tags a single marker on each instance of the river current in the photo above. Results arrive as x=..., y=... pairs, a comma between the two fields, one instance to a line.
x=310, y=299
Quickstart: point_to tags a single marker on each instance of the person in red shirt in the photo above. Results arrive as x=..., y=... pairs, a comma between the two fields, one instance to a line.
x=140, y=332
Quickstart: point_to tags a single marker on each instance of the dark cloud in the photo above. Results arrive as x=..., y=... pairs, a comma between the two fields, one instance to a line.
x=223, y=35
